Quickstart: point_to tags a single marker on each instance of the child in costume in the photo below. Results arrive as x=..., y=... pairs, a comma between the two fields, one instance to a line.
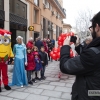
x=5, y=54
x=38, y=67
x=36, y=73
x=19, y=75
x=30, y=64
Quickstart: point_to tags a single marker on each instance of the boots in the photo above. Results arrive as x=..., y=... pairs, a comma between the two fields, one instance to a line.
x=7, y=87
x=0, y=89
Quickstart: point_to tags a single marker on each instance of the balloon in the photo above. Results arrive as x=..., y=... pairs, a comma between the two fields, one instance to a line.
x=60, y=39
x=63, y=38
x=58, y=55
x=51, y=53
x=67, y=34
x=61, y=34
x=59, y=46
x=54, y=56
x=60, y=43
x=71, y=53
x=58, y=49
x=71, y=34
x=55, y=49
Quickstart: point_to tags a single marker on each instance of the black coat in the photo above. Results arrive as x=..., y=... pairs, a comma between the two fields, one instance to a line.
x=43, y=57
x=86, y=67
x=80, y=47
x=38, y=44
x=50, y=46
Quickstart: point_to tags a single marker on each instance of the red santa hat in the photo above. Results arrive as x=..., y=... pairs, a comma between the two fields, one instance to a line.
x=4, y=32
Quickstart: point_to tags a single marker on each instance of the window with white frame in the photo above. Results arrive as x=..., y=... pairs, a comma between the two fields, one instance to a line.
x=51, y=8
x=36, y=2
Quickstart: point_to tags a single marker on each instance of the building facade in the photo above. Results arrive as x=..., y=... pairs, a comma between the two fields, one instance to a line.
x=45, y=15
x=66, y=28
x=47, y=18
x=13, y=17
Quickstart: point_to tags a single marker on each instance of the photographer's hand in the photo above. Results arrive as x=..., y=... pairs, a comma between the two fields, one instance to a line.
x=67, y=41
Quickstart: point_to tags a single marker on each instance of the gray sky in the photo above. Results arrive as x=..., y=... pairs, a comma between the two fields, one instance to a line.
x=74, y=6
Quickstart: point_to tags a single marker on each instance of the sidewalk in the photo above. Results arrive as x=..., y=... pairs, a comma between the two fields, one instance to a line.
x=52, y=88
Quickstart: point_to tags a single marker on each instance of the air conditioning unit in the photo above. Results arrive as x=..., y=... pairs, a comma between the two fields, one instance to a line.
x=49, y=28
x=53, y=13
x=45, y=6
x=57, y=16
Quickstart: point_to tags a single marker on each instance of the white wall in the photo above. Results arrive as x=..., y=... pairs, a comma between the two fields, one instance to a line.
x=6, y=9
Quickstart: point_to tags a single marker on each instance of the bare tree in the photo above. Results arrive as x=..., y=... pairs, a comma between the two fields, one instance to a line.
x=83, y=22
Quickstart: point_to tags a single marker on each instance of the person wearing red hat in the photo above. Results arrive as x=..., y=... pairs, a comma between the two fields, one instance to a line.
x=30, y=64
x=30, y=43
x=5, y=55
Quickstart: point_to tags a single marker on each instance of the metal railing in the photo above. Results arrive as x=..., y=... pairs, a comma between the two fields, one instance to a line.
x=60, y=7
x=16, y=19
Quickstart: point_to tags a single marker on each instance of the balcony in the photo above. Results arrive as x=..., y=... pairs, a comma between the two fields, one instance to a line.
x=16, y=19
x=59, y=6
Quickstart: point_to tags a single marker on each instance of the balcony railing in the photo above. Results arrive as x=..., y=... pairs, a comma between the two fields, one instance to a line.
x=2, y=15
x=17, y=19
x=60, y=7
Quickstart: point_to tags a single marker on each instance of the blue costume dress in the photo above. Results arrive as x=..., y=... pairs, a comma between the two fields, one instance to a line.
x=19, y=74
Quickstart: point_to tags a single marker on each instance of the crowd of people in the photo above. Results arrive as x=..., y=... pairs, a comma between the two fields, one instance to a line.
x=32, y=57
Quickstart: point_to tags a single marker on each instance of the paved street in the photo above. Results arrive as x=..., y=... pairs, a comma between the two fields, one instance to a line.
x=52, y=88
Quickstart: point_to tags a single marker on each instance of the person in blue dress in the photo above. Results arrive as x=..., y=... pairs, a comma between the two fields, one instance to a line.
x=20, y=60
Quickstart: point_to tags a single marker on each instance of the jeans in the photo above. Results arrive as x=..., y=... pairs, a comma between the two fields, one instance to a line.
x=34, y=74
x=29, y=72
x=43, y=71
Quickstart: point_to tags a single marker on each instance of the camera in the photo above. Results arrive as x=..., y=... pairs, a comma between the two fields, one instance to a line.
x=73, y=39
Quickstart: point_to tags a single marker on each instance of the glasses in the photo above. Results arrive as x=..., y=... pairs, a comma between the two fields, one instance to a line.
x=90, y=27
x=5, y=40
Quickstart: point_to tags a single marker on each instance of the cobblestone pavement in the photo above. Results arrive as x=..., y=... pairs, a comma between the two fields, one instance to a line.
x=52, y=88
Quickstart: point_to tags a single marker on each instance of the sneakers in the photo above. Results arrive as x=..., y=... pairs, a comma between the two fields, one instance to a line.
x=43, y=78
x=7, y=87
x=22, y=86
x=31, y=83
x=33, y=80
x=39, y=79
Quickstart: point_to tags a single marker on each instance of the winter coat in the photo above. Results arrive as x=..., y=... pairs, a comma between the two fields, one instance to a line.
x=50, y=46
x=38, y=44
x=45, y=46
x=38, y=64
x=80, y=47
x=30, y=61
x=43, y=57
x=86, y=67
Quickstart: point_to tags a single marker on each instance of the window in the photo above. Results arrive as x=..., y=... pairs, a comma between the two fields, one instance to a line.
x=36, y=2
x=43, y=1
x=0, y=2
x=17, y=5
x=23, y=9
x=51, y=7
x=35, y=16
